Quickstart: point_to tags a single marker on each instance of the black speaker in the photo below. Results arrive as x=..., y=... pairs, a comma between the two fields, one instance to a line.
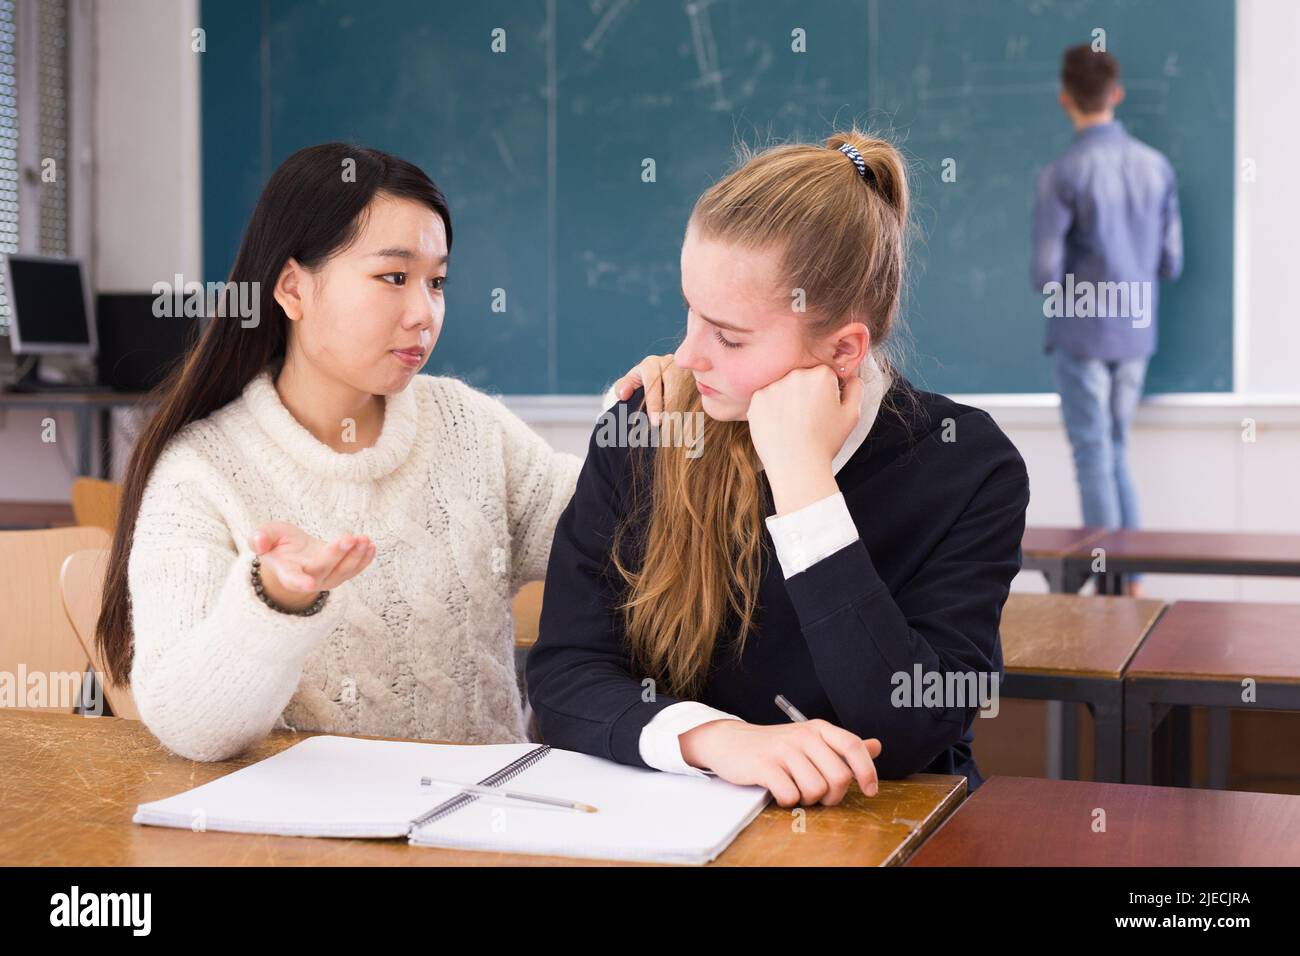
x=137, y=348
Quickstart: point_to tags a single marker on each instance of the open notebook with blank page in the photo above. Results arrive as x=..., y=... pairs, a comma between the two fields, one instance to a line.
x=331, y=786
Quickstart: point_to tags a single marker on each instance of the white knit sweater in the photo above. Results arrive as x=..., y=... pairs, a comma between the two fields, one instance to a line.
x=461, y=499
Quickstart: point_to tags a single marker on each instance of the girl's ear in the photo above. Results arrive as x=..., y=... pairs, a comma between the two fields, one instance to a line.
x=850, y=344
x=288, y=289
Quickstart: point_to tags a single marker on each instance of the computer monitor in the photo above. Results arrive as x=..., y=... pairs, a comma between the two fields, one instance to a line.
x=49, y=311
x=136, y=348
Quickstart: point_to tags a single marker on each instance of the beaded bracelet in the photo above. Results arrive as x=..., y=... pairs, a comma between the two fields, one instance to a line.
x=309, y=610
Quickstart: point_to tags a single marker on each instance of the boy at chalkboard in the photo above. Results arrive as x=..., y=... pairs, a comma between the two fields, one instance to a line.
x=1106, y=229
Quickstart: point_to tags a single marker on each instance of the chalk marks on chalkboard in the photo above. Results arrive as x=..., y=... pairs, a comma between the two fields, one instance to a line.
x=503, y=149
x=615, y=9
x=648, y=281
x=706, y=52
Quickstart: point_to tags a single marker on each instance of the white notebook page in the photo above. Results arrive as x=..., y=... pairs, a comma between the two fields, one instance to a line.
x=330, y=786
x=349, y=787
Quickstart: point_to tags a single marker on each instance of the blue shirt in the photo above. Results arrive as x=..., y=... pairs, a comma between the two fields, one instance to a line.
x=1106, y=228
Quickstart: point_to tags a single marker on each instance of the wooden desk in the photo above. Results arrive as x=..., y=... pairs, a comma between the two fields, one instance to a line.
x=1019, y=821
x=1129, y=551
x=32, y=515
x=1199, y=654
x=82, y=404
x=1191, y=552
x=1054, y=553
x=71, y=784
x=1070, y=648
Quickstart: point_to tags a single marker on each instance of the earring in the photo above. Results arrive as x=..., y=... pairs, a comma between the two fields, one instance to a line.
x=841, y=368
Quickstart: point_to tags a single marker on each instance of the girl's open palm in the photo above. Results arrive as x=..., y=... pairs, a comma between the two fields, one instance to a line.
x=305, y=564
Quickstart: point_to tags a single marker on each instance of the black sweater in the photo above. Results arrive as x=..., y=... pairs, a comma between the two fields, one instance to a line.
x=938, y=495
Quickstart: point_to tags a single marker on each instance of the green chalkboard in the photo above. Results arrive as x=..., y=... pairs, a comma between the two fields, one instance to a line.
x=540, y=150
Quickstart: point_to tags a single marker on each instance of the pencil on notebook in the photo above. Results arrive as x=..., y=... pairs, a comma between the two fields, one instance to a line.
x=512, y=794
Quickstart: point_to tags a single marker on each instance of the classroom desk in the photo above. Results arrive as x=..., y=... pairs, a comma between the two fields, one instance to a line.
x=1130, y=551
x=1189, y=552
x=1054, y=552
x=28, y=515
x=81, y=404
x=1065, y=647
x=71, y=785
x=1051, y=550
x=1199, y=654
x=1021, y=821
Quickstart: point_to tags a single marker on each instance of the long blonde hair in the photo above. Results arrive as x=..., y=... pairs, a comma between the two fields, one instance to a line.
x=844, y=242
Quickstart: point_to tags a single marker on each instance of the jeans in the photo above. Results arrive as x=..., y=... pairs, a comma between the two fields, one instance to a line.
x=1098, y=400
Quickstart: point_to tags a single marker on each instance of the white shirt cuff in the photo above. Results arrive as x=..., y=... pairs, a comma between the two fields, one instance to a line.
x=659, y=744
x=814, y=532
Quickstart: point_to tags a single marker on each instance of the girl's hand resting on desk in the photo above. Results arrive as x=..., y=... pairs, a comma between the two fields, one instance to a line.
x=808, y=762
x=296, y=566
x=798, y=424
x=659, y=376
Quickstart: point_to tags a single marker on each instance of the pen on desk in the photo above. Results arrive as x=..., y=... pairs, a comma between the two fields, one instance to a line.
x=790, y=709
x=482, y=791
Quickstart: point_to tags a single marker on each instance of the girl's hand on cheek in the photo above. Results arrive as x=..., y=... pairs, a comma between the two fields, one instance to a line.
x=798, y=424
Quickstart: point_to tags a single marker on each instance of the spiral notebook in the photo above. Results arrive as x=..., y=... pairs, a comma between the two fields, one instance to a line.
x=351, y=787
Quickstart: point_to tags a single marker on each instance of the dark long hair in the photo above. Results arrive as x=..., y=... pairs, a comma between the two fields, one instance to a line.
x=310, y=209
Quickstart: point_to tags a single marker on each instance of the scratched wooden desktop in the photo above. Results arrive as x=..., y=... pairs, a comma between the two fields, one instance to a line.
x=71, y=784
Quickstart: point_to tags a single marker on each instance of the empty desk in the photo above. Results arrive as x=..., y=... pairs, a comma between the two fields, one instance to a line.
x=23, y=515
x=1200, y=654
x=1018, y=821
x=1063, y=647
x=1055, y=552
x=1188, y=552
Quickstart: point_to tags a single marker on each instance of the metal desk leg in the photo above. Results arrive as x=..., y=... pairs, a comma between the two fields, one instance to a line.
x=1070, y=740
x=1138, y=729
x=1054, y=739
x=1171, y=746
x=1108, y=737
x=106, y=444
x=1074, y=575
x=1055, y=575
x=1180, y=742
x=1220, y=747
x=83, y=440
x=1062, y=726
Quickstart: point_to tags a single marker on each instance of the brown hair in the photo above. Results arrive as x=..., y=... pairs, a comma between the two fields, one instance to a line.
x=307, y=211
x=843, y=241
x=1088, y=76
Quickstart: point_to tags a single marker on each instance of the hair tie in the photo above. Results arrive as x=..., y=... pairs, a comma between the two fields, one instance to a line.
x=859, y=163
